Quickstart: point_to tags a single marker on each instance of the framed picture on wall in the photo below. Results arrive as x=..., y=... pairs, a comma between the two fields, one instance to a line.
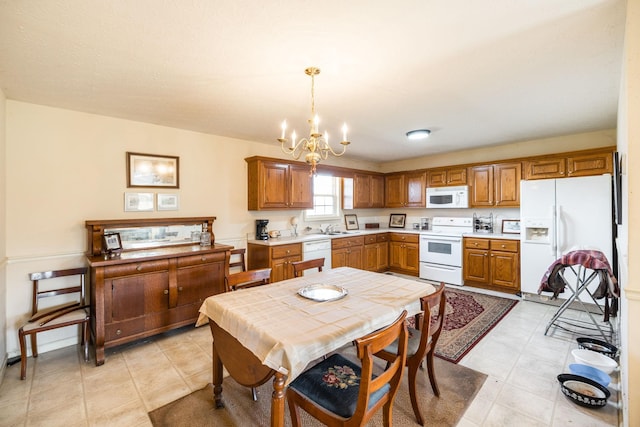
x=510, y=226
x=351, y=221
x=168, y=202
x=152, y=170
x=138, y=202
x=397, y=220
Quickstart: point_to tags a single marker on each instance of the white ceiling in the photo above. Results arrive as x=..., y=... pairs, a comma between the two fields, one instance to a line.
x=476, y=73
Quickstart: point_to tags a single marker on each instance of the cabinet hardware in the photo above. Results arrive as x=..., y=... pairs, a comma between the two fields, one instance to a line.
x=179, y=288
x=139, y=268
x=118, y=332
x=166, y=291
x=203, y=258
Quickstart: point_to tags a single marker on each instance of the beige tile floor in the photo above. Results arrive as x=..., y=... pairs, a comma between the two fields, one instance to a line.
x=62, y=390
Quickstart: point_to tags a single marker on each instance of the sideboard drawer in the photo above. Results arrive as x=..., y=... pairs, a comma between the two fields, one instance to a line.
x=136, y=268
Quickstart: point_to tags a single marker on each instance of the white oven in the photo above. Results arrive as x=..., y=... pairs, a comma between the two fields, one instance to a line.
x=441, y=250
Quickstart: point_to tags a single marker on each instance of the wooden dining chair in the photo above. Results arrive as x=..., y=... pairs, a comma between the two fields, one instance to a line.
x=247, y=279
x=239, y=254
x=422, y=343
x=300, y=266
x=58, y=315
x=339, y=392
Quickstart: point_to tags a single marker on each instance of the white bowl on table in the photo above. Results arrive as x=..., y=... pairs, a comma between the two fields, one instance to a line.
x=597, y=360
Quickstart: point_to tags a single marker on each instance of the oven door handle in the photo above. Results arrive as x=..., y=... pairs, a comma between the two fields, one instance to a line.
x=442, y=267
x=441, y=239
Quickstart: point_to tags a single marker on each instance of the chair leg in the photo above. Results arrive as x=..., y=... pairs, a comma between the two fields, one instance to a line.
x=85, y=340
x=413, y=374
x=254, y=394
x=293, y=411
x=34, y=345
x=23, y=354
x=432, y=374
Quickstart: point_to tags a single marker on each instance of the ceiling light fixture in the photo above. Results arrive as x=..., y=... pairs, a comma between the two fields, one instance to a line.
x=418, y=134
x=315, y=147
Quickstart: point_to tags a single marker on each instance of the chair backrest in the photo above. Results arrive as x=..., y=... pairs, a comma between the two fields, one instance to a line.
x=300, y=266
x=41, y=292
x=247, y=279
x=371, y=345
x=238, y=253
x=432, y=326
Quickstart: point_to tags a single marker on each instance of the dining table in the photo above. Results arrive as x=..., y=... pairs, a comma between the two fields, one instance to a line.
x=277, y=330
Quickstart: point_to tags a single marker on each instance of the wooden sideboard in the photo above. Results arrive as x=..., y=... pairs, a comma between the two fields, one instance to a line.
x=145, y=292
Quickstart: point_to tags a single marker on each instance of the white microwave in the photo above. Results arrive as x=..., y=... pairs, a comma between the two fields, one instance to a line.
x=448, y=197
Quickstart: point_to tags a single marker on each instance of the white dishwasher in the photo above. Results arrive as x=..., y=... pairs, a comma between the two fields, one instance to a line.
x=317, y=249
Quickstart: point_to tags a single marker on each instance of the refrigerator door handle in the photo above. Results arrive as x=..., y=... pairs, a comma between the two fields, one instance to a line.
x=559, y=230
x=554, y=243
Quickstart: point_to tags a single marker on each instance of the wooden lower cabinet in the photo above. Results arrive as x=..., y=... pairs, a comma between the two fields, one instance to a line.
x=376, y=252
x=492, y=263
x=278, y=258
x=404, y=253
x=347, y=252
x=144, y=293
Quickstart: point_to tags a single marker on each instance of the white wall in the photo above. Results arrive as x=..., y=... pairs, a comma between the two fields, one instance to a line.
x=3, y=227
x=556, y=144
x=629, y=231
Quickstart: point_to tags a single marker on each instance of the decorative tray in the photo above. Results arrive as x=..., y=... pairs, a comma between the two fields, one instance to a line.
x=319, y=292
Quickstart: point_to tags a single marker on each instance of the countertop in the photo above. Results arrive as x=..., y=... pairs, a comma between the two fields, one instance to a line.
x=352, y=233
x=318, y=236
x=505, y=236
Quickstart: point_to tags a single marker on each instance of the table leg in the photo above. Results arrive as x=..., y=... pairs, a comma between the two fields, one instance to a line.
x=277, y=401
x=217, y=378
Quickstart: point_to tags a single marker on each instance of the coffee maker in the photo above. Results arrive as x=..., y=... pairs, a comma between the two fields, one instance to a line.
x=261, y=229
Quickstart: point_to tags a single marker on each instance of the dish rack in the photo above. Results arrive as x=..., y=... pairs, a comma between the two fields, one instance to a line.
x=591, y=327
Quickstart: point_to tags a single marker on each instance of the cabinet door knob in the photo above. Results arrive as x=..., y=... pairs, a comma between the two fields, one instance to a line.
x=203, y=259
x=166, y=291
x=179, y=288
x=503, y=246
x=119, y=332
x=139, y=267
x=475, y=244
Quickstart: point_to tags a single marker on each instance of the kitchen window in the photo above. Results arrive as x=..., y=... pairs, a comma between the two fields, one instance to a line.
x=326, y=196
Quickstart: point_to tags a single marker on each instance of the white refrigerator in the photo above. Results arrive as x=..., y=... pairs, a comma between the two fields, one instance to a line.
x=558, y=216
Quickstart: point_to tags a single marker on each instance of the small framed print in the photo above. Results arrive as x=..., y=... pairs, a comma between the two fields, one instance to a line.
x=351, y=221
x=111, y=243
x=152, y=170
x=138, y=202
x=168, y=202
x=510, y=226
x=397, y=220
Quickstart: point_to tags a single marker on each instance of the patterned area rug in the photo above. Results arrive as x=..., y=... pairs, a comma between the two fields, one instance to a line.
x=458, y=386
x=469, y=316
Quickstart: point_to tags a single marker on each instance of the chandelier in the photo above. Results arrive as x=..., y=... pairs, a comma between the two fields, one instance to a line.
x=316, y=146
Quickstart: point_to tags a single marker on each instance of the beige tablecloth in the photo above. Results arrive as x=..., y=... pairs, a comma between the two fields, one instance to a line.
x=286, y=331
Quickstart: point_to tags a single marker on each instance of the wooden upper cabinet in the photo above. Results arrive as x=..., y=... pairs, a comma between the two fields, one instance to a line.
x=368, y=191
x=507, y=178
x=495, y=185
x=481, y=186
x=406, y=190
x=592, y=162
x=278, y=185
x=545, y=168
x=447, y=177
